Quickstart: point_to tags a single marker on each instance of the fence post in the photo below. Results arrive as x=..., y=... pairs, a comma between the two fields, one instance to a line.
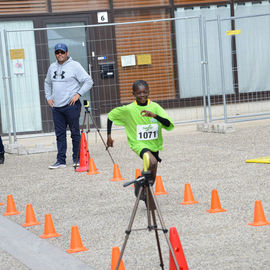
x=10, y=87
x=222, y=69
x=207, y=71
x=203, y=63
x=5, y=88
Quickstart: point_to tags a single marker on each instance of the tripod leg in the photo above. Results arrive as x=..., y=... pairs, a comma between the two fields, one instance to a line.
x=98, y=131
x=157, y=238
x=128, y=231
x=77, y=155
x=165, y=231
x=147, y=202
x=87, y=140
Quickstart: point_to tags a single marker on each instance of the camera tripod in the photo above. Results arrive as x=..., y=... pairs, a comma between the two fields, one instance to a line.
x=86, y=124
x=145, y=185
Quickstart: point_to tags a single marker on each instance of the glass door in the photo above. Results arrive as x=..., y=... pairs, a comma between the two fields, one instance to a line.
x=75, y=39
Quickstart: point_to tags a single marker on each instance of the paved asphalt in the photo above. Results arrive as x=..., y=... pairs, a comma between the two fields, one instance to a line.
x=101, y=208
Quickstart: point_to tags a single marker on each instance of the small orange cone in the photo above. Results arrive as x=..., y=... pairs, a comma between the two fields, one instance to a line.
x=91, y=167
x=138, y=173
x=188, y=195
x=259, y=217
x=11, y=208
x=75, y=241
x=30, y=219
x=115, y=258
x=215, y=203
x=83, y=154
x=1, y=203
x=116, y=173
x=159, y=188
x=178, y=251
x=49, y=230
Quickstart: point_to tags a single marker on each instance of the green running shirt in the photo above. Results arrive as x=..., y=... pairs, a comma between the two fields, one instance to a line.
x=142, y=132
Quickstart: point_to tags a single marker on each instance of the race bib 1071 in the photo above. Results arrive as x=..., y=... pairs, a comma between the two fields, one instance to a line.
x=147, y=132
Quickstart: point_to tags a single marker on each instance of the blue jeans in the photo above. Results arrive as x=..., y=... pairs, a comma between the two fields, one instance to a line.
x=1, y=146
x=68, y=115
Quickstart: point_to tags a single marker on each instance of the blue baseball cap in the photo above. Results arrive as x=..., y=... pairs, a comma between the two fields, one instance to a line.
x=61, y=46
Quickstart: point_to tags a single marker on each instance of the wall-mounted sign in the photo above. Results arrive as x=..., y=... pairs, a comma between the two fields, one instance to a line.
x=233, y=32
x=128, y=60
x=16, y=54
x=18, y=66
x=144, y=59
x=102, y=17
x=102, y=58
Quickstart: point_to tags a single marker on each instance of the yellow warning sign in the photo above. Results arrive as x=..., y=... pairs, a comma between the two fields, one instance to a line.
x=144, y=59
x=16, y=54
x=233, y=32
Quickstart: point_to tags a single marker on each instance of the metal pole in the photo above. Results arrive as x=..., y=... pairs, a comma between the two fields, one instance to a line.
x=203, y=63
x=10, y=88
x=222, y=70
x=5, y=89
x=207, y=72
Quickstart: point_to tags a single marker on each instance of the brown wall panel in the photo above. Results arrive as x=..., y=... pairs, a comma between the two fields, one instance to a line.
x=146, y=38
x=139, y=3
x=194, y=2
x=79, y=5
x=23, y=6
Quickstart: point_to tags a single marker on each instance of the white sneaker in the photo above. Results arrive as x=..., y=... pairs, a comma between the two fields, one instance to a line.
x=76, y=164
x=57, y=165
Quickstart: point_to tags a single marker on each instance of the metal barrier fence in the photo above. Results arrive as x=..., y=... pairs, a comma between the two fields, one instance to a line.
x=243, y=81
x=197, y=68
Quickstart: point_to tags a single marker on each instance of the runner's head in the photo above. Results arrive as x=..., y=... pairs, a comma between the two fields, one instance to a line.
x=140, y=91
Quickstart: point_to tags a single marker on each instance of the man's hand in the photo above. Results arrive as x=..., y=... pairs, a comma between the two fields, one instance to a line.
x=109, y=141
x=50, y=102
x=148, y=114
x=74, y=99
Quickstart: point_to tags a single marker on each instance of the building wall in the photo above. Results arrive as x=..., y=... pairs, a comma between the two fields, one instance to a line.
x=155, y=39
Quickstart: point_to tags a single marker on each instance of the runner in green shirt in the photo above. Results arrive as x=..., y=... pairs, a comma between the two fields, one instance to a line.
x=143, y=121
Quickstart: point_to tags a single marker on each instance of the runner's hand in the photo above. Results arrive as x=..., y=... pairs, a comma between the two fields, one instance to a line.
x=148, y=114
x=109, y=141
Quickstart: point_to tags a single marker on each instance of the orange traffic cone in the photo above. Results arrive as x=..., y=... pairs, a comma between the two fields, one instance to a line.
x=178, y=251
x=30, y=218
x=91, y=167
x=159, y=188
x=188, y=195
x=1, y=203
x=75, y=241
x=259, y=217
x=215, y=203
x=116, y=173
x=49, y=230
x=115, y=258
x=138, y=173
x=11, y=208
x=83, y=154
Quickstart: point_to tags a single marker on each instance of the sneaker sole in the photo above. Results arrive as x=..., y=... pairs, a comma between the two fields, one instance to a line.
x=58, y=167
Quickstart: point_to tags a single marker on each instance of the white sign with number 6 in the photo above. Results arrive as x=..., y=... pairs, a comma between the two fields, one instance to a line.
x=102, y=17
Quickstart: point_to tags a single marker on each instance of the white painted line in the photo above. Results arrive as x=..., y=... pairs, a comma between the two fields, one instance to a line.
x=34, y=252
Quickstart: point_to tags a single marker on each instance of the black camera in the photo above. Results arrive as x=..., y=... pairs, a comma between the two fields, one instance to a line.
x=86, y=103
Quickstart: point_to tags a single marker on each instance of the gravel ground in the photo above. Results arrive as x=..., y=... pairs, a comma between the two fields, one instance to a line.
x=102, y=208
